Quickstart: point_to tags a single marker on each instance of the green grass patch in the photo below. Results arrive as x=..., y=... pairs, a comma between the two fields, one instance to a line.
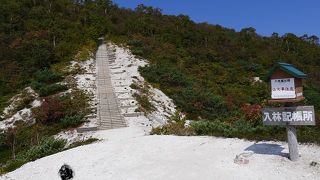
x=5, y=154
x=245, y=130
x=25, y=101
x=60, y=68
x=48, y=77
x=85, y=51
x=50, y=89
x=82, y=143
x=144, y=104
x=4, y=102
x=47, y=146
x=134, y=86
x=176, y=126
x=45, y=83
x=240, y=129
x=71, y=121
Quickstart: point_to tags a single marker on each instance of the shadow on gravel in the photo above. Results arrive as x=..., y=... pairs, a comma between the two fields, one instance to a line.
x=267, y=149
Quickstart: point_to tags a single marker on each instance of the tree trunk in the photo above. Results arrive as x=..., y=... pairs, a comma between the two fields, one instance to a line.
x=13, y=149
x=54, y=41
x=287, y=44
x=37, y=138
x=50, y=5
x=206, y=42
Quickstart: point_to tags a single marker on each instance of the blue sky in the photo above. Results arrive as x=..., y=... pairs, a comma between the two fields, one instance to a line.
x=266, y=16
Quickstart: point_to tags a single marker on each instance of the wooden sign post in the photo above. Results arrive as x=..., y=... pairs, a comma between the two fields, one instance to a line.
x=286, y=87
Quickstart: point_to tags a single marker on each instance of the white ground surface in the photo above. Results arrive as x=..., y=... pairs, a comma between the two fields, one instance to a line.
x=128, y=154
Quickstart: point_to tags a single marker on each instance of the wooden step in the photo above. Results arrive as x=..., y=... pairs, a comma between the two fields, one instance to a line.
x=135, y=114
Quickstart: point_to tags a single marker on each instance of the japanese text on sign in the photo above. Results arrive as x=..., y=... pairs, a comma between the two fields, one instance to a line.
x=301, y=115
x=283, y=88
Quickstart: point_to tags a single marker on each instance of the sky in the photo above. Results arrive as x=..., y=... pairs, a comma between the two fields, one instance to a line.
x=266, y=16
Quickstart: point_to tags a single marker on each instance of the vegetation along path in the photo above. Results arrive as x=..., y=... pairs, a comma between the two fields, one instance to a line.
x=108, y=106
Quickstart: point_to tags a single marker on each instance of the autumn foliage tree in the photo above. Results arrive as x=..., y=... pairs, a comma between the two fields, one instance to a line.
x=50, y=111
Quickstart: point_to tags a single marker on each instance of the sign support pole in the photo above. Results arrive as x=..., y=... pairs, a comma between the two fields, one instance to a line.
x=292, y=143
x=292, y=140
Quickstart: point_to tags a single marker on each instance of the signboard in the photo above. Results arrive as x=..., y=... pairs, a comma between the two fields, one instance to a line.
x=300, y=115
x=283, y=88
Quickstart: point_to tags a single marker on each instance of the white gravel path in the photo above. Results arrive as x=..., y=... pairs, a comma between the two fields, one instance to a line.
x=128, y=154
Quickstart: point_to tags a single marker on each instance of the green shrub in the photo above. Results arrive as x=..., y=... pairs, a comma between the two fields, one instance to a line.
x=137, y=52
x=4, y=102
x=36, y=85
x=246, y=130
x=240, y=129
x=5, y=153
x=47, y=77
x=66, y=110
x=71, y=121
x=47, y=90
x=313, y=97
x=176, y=126
x=25, y=100
x=12, y=165
x=135, y=43
x=45, y=83
x=134, y=86
x=309, y=134
x=77, y=69
x=145, y=104
x=46, y=147
x=2, y=138
x=173, y=128
x=71, y=105
x=166, y=75
x=200, y=103
x=178, y=118
x=76, y=102
x=81, y=143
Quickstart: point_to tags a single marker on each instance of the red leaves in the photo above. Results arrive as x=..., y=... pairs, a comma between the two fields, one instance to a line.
x=251, y=112
x=229, y=102
x=198, y=105
x=50, y=111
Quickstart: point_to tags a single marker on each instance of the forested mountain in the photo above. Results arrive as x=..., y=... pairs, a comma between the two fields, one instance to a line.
x=38, y=34
x=206, y=69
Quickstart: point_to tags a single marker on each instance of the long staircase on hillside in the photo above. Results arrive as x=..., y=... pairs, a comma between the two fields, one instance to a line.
x=108, y=110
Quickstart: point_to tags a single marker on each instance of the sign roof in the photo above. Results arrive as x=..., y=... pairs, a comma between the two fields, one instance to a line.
x=287, y=68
